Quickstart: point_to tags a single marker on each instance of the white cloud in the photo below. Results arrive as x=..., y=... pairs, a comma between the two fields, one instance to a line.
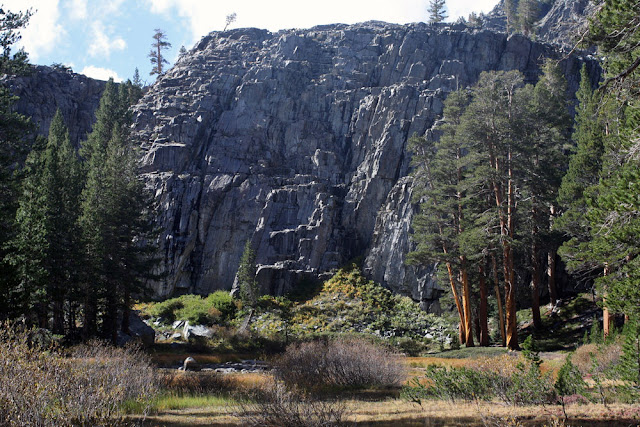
x=112, y=6
x=100, y=73
x=77, y=9
x=458, y=8
x=44, y=31
x=205, y=16
x=102, y=45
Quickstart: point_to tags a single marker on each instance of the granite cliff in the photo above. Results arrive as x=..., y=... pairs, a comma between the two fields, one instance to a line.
x=296, y=141
x=46, y=89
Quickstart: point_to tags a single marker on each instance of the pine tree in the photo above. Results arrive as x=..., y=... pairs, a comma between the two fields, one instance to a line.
x=230, y=19
x=17, y=135
x=246, y=277
x=440, y=223
x=512, y=18
x=113, y=221
x=545, y=134
x=629, y=367
x=490, y=127
x=155, y=55
x=437, y=11
x=44, y=247
x=528, y=12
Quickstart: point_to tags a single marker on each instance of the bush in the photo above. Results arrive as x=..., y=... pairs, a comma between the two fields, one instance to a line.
x=346, y=363
x=605, y=357
x=512, y=381
x=92, y=387
x=215, y=308
x=457, y=383
x=224, y=303
x=279, y=406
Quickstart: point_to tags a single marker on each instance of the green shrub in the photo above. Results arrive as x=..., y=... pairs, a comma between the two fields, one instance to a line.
x=459, y=383
x=569, y=382
x=224, y=303
x=522, y=384
x=215, y=308
x=166, y=309
x=528, y=386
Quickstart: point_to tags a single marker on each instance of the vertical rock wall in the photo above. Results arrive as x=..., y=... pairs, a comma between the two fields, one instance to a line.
x=296, y=140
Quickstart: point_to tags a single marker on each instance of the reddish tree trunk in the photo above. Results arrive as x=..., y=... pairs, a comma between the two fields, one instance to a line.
x=483, y=325
x=466, y=301
x=496, y=288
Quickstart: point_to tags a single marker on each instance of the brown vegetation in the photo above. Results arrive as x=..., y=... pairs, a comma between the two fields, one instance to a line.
x=40, y=386
x=282, y=406
x=347, y=363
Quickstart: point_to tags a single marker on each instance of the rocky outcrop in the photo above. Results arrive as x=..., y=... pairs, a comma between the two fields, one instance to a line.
x=46, y=89
x=562, y=22
x=296, y=141
x=566, y=21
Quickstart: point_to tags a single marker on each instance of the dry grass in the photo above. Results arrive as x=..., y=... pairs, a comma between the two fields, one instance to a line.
x=95, y=386
x=395, y=412
x=174, y=359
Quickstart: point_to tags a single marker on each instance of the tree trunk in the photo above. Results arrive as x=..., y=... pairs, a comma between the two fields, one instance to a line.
x=551, y=276
x=89, y=326
x=496, y=288
x=126, y=310
x=535, y=287
x=466, y=301
x=607, y=317
x=461, y=331
x=512, y=323
x=483, y=325
x=58, y=315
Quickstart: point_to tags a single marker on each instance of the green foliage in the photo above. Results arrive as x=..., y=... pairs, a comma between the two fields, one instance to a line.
x=451, y=383
x=523, y=385
x=530, y=351
x=10, y=25
x=45, y=248
x=595, y=334
x=530, y=387
x=246, y=277
x=17, y=135
x=156, y=56
x=629, y=368
x=224, y=303
x=216, y=308
x=528, y=13
x=569, y=381
x=349, y=303
x=114, y=221
x=437, y=12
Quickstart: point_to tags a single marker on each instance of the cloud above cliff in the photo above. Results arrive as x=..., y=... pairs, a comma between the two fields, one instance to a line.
x=116, y=35
x=274, y=15
x=100, y=73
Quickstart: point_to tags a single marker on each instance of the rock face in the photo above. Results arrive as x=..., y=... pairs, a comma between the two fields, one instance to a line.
x=562, y=22
x=296, y=141
x=46, y=89
x=566, y=21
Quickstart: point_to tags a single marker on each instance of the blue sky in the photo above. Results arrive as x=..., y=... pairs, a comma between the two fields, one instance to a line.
x=103, y=38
